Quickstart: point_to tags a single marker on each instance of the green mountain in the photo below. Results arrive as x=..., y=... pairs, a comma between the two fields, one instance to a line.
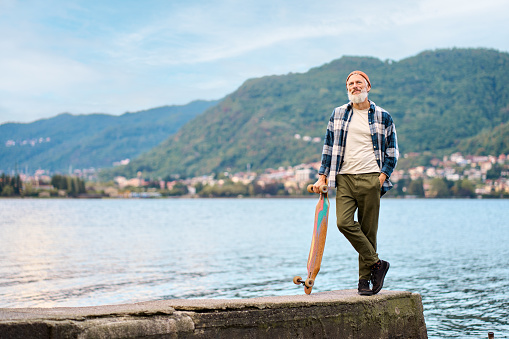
x=93, y=140
x=490, y=141
x=438, y=99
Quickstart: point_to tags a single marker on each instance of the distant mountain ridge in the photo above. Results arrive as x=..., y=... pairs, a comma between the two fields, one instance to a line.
x=440, y=100
x=90, y=140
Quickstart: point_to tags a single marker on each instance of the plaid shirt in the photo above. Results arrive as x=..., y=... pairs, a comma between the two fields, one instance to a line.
x=383, y=136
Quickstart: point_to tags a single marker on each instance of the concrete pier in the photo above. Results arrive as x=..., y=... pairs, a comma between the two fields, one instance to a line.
x=335, y=314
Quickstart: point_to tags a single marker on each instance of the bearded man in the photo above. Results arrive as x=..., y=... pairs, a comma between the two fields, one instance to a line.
x=359, y=154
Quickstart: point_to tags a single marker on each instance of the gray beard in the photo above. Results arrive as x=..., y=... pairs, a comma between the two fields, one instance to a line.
x=358, y=98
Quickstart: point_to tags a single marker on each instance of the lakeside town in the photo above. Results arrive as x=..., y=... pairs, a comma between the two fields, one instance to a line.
x=456, y=175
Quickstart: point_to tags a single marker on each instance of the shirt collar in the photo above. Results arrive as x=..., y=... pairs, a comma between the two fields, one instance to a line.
x=372, y=106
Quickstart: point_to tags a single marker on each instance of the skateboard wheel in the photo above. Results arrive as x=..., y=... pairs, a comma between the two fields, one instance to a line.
x=310, y=189
x=324, y=189
x=309, y=282
x=297, y=280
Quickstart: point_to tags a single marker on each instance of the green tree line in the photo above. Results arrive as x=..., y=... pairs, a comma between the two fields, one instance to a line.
x=10, y=186
x=437, y=188
x=13, y=186
x=231, y=189
x=72, y=185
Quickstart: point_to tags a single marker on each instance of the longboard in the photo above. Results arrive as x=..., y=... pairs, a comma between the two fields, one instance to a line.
x=318, y=240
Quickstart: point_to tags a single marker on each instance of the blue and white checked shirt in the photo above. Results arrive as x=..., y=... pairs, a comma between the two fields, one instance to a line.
x=383, y=135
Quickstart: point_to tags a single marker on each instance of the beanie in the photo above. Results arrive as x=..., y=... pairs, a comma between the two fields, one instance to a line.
x=364, y=75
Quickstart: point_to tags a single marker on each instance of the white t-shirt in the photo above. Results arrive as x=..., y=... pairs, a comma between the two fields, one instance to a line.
x=359, y=154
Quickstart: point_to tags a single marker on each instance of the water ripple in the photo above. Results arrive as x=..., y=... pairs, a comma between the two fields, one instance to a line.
x=95, y=252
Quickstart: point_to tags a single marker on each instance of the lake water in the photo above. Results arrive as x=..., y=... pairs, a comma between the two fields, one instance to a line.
x=68, y=252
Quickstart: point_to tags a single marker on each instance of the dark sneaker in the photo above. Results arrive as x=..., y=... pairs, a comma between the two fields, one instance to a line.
x=363, y=288
x=378, y=272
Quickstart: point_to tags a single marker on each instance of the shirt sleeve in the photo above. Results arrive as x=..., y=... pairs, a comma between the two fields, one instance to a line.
x=391, y=149
x=327, y=147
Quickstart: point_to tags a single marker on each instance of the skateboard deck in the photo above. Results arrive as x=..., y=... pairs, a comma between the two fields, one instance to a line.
x=317, y=241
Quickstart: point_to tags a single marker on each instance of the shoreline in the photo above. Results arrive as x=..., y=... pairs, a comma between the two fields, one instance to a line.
x=245, y=197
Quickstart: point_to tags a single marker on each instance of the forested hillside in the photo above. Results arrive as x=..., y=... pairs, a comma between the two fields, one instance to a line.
x=93, y=140
x=490, y=141
x=440, y=100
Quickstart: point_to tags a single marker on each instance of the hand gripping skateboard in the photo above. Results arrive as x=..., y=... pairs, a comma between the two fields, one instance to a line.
x=318, y=240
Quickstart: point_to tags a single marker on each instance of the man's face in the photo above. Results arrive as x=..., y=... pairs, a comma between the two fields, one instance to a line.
x=357, y=88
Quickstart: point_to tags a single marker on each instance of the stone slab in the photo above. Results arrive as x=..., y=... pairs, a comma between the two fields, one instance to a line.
x=389, y=314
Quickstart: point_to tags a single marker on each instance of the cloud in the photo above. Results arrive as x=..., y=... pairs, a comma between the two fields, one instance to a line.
x=36, y=72
x=219, y=30
x=116, y=56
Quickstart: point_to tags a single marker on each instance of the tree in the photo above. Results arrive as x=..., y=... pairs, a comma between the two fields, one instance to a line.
x=495, y=171
x=59, y=182
x=439, y=188
x=17, y=185
x=463, y=188
x=416, y=188
x=178, y=189
x=72, y=185
x=3, y=181
x=10, y=186
x=82, y=187
x=7, y=191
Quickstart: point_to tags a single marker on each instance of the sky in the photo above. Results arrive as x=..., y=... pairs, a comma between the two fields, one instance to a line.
x=117, y=56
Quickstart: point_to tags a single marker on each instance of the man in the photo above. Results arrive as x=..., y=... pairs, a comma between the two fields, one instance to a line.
x=359, y=154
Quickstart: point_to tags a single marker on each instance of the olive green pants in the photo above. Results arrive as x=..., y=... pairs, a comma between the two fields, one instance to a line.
x=359, y=192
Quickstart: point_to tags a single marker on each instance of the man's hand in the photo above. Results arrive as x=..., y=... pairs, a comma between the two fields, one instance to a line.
x=322, y=180
x=382, y=177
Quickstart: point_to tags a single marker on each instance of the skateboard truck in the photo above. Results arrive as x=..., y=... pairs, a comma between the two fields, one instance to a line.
x=308, y=282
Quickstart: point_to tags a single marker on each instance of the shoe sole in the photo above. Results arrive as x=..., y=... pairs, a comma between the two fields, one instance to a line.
x=368, y=293
x=382, y=280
